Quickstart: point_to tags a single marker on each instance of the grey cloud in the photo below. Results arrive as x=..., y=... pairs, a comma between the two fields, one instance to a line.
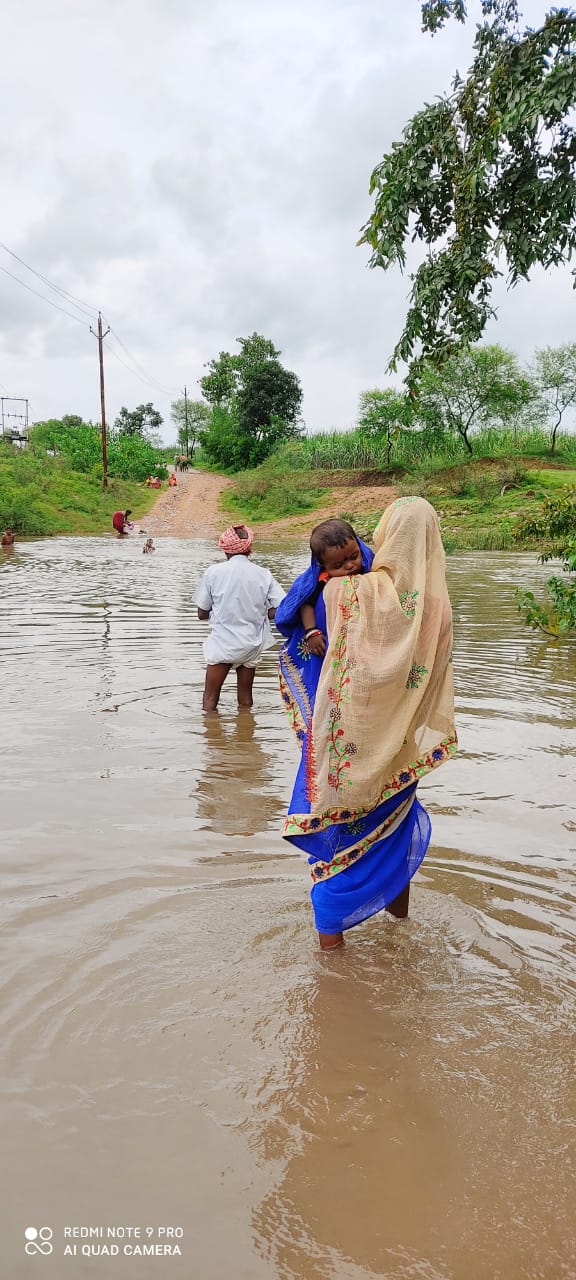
x=216, y=184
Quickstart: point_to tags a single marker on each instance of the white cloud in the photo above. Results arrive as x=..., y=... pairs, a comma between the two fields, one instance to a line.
x=199, y=171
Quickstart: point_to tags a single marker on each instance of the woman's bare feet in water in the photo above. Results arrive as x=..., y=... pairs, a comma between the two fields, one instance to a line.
x=399, y=907
x=330, y=941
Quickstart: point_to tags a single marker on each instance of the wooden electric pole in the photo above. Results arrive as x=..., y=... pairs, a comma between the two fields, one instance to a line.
x=186, y=417
x=101, y=336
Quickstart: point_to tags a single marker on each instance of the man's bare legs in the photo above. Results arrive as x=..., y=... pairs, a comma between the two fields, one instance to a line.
x=245, y=680
x=215, y=677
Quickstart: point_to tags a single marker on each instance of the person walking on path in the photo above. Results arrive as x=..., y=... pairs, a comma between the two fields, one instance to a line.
x=372, y=717
x=240, y=600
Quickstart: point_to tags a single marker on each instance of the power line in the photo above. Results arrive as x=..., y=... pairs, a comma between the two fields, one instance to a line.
x=91, y=311
x=161, y=386
x=151, y=382
x=42, y=296
x=146, y=381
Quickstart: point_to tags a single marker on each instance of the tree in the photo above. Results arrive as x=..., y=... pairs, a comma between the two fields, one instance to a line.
x=473, y=388
x=484, y=174
x=72, y=420
x=555, y=372
x=144, y=420
x=220, y=384
x=255, y=404
x=256, y=350
x=80, y=442
x=130, y=457
x=555, y=525
x=268, y=402
x=384, y=414
x=192, y=418
x=225, y=378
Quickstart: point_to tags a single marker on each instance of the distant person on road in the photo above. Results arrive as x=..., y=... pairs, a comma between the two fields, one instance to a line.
x=7, y=539
x=121, y=522
x=172, y=481
x=240, y=599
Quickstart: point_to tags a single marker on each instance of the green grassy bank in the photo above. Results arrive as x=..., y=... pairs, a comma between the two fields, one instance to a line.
x=40, y=496
x=479, y=500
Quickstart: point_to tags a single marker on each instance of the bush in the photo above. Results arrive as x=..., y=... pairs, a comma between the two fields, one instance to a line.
x=554, y=524
x=270, y=492
x=80, y=443
x=41, y=495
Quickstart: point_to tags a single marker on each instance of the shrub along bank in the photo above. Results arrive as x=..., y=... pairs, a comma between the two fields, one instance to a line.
x=41, y=495
x=480, y=502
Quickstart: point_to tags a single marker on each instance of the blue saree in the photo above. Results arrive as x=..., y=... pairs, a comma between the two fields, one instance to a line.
x=361, y=863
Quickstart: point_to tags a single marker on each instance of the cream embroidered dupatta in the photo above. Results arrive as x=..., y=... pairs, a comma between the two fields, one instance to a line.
x=384, y=710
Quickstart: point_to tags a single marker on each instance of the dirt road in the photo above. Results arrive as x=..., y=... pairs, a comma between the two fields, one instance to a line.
x=192, y=510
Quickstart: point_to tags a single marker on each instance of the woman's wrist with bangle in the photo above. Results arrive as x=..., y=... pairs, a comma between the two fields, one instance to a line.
x=313, y=631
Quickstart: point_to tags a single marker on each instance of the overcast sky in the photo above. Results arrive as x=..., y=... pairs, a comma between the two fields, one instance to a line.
x=199, y=169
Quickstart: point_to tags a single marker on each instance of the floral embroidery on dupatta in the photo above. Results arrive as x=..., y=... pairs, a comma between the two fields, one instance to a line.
x=299, y=716
x=304, y=652
x=324, y=870
x=310, y=768
x=301, y=823
x=340, y=753
x=408, y=602
x=415, y=676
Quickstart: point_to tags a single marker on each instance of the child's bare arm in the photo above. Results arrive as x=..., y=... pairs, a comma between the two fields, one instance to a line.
x=316, y=643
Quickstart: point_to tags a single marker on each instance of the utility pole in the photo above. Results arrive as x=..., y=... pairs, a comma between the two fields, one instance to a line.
x=186, y=417
x=101, y=336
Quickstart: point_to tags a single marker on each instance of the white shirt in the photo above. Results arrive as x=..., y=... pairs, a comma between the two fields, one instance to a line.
x=238, y=594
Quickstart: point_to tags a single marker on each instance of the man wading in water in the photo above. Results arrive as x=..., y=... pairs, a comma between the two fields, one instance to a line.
x=240, y=599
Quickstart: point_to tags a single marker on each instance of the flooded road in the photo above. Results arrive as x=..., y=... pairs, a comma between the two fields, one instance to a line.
x=177, y=1056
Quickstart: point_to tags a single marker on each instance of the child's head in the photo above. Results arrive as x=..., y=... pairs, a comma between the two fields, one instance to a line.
x=336, y=548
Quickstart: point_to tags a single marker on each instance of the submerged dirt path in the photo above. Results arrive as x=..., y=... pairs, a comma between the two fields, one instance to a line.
x=192, y=510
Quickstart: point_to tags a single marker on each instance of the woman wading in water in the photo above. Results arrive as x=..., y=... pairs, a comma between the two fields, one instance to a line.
x=372, y=717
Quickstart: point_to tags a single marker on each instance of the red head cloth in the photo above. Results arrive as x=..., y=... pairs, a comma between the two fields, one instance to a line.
x=235, y=546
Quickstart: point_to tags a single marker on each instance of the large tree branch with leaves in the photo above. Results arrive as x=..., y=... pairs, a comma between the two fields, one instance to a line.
x=484, y=178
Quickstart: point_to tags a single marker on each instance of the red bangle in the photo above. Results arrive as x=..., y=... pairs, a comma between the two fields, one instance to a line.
x=314, y=631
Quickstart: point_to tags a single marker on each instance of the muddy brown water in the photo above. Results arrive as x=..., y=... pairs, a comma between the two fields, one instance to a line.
x=177, y=1056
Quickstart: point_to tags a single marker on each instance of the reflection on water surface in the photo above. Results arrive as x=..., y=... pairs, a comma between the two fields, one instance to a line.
x=175, y=1050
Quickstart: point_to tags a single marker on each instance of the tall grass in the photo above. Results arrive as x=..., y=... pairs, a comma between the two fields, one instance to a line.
x=359, y=450
x=271, y=491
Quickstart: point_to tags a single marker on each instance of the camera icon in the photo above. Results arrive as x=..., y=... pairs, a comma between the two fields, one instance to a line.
x=39, y=1240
